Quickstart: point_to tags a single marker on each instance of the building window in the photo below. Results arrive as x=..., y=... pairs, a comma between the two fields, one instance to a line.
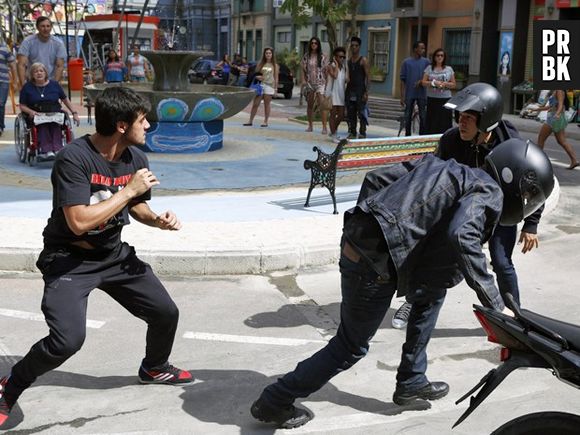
x=284, y=37
x=249, y=45
x=379, y=41
x=259, y=44
x=405, y=4
x=323, y=35
x=456, y=45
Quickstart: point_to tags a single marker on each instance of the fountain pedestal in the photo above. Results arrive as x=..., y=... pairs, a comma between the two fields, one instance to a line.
x=184, y=118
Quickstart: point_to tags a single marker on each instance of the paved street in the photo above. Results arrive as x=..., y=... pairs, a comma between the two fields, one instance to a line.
x=237, y=333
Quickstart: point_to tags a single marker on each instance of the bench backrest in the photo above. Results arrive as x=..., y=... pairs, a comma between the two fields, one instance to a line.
x=370, y=153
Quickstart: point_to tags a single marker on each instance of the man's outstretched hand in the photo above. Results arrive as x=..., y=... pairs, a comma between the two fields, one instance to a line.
x=168, y=221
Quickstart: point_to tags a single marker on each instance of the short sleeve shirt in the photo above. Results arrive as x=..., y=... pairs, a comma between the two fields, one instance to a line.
x=46, y=53
x=42, y=98
x=137, y=65
x=6, y=58
x=443, y=75
x=82, y=176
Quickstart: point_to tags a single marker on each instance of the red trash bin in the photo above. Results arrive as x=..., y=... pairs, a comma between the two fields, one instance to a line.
x=75, y=73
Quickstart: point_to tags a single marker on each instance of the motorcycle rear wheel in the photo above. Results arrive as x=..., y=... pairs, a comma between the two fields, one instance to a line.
x=541, y=423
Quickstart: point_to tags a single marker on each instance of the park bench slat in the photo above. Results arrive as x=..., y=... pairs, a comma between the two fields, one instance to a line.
x=365, y=154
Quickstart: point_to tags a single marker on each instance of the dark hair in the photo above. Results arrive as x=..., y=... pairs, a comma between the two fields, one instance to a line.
x=116, y=59
x=319, y=52
x=263, y=60
x=118, y=104
x=356, y=39
x=338, y=50
x=433, y=62
x=40, y=19
x=416, y=44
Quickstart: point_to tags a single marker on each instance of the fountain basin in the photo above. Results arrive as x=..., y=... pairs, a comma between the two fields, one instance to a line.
x=233, y=99
x=187, y=121
x=184, y=118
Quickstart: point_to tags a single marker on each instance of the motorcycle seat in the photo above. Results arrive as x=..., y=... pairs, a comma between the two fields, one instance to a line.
x=568, y=331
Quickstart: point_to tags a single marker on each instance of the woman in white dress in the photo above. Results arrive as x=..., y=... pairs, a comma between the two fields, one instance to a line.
x=337, y=78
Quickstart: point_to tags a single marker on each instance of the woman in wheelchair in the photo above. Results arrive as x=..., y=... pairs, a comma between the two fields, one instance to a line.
x=40, y=95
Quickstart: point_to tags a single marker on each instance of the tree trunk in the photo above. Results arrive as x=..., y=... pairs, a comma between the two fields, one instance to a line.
x=331, y=32
x=353, y=9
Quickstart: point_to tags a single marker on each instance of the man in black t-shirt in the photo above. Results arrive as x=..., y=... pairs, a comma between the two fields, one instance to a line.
x=98, y=181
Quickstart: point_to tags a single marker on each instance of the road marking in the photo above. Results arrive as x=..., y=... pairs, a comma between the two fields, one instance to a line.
x=248, y=339
x=7, y=354
x=95, y=324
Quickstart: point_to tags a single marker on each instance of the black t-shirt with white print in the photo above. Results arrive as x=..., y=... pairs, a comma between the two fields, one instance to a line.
x=82, y=176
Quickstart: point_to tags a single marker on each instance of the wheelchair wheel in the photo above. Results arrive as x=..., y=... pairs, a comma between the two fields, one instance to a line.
x=67, y=131
x=20, y=137
x=29, y=155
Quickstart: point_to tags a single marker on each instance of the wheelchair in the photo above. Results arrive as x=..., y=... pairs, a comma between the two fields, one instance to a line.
x=26, y=134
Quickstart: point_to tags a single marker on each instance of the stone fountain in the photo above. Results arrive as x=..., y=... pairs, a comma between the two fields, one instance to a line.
x=184, y=118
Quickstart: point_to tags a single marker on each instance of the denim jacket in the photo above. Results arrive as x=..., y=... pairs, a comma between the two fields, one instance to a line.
x=435, y=216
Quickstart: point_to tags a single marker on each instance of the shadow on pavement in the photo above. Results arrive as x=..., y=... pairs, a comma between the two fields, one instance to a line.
x=225, y=396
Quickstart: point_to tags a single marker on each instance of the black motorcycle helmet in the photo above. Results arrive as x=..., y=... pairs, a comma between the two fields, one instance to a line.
x=481, y=98
x=525, y=175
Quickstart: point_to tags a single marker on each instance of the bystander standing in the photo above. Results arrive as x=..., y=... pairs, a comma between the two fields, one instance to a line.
x=8, y=76
x=438, y=79
x=44, y=48
x=412, y=90
x=357, y=90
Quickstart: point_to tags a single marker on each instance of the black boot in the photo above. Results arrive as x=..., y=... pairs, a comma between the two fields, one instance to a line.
x=431, y=391
x=285, y=418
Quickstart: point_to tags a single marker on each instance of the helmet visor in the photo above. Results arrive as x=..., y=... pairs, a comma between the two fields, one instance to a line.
x=464, y=102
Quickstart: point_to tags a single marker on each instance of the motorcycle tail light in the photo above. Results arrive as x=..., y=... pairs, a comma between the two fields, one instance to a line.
x=504, y=354
x=487, y=327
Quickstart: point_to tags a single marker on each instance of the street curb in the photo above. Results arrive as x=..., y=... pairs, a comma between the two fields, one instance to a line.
x=236, y=261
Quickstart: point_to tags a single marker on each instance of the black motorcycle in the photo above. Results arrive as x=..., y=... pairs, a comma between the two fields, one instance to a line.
x=529, y=340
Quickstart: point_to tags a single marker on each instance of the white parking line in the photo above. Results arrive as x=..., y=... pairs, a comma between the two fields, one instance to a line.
x=248, y=339
x=95, y=324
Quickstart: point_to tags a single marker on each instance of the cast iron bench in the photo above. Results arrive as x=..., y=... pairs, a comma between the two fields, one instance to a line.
x=359, y=154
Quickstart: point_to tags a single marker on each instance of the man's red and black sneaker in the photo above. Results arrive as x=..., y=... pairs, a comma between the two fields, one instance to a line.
x=6, y=403
x=166, y=374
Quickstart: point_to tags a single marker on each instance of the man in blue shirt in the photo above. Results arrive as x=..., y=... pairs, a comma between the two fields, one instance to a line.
x=411, y=89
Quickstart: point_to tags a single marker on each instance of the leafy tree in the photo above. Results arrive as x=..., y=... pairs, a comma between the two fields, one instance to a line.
x=331, y=11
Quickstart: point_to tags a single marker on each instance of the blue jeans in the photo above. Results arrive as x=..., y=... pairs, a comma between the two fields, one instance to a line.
x=501, y=248
x=424, y=313
x=365, y=301
x=422, y=106
x=4, y=88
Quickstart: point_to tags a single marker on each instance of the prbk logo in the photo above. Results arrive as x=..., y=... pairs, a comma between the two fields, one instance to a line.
x=557, y=54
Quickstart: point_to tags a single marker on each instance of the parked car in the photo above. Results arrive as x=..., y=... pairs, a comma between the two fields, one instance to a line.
x=285, y=79
x=205, y=71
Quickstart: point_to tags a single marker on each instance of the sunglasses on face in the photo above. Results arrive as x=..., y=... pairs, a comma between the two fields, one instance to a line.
x=341, y=57
x=440, y=55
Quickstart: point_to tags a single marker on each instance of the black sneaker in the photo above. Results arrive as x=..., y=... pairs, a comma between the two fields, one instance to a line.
x=401, y=317
x=285, y=418
x=6, y=403
x=165, y=375
x=431, y=391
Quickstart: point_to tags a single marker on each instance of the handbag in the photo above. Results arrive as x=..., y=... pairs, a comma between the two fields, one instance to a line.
x=256, y=86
